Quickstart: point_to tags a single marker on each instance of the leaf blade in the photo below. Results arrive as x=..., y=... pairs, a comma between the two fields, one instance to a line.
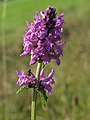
x=43, y=98
x=21, y=89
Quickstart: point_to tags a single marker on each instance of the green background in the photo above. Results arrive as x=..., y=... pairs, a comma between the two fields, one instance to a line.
x=71, y=94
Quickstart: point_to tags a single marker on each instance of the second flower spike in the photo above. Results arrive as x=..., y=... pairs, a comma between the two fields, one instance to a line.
x=29, y=80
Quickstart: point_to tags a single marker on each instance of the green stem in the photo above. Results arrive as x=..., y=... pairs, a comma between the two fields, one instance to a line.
x=34, y=98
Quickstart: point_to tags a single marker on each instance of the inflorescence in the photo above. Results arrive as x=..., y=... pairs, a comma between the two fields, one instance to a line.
x=43, y=42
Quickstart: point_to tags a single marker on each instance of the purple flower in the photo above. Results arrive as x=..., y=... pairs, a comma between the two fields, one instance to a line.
x=27, y=80
x=43, y=37
x=46, y=82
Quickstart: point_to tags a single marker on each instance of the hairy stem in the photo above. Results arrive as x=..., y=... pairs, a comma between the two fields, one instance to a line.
x=34, y=98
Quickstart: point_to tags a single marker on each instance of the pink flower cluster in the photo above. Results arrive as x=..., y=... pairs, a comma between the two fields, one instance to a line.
x=29, y=80
x=43, y=37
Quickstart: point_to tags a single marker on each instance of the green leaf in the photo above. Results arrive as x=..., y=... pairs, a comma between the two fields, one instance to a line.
x=22, y=89
x=43, y=98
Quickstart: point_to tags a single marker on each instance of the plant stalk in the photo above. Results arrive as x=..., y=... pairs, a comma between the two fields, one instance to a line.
x=34, y=98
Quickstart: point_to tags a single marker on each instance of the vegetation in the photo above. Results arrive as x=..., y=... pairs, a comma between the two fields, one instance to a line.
x=71, y=94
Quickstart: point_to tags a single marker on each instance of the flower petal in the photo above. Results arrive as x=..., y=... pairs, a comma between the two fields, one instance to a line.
x=51, y=73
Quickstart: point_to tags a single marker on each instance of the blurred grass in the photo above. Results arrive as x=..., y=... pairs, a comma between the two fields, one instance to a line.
x=71, y=94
